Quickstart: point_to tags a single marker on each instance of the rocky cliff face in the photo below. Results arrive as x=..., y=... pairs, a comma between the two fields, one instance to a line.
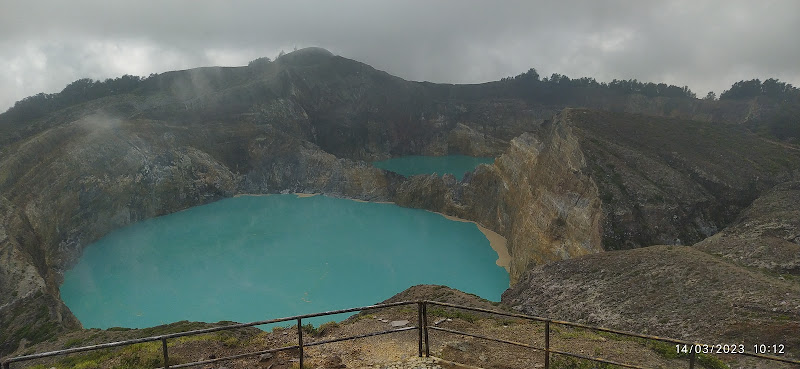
x=672, y=181
x=537, y=194
x=766, y=235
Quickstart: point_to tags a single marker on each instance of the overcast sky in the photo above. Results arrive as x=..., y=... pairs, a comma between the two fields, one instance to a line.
x=707, y=45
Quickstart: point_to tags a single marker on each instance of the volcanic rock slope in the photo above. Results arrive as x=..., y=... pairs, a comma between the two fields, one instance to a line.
x=567, y=182
x=671, y=182
x=738, y=286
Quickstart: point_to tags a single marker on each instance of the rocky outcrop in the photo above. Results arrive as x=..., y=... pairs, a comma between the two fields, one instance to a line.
x=673, y=181
x=673, y=291
x=538, y=195
x=29, y=310
x=766, y=235
x=554, y=205
x=465, y=140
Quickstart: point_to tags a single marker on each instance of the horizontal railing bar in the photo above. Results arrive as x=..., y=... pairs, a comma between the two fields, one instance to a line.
x=350, y=310
x=596, y=359
x=81, y=349
x=487, y=338
x=292, y=347
x=528, y=317
x=239, y=356
x=579, y=325
x=199, y=331
x=365, y=335
x=624, y=333
x=531, y=346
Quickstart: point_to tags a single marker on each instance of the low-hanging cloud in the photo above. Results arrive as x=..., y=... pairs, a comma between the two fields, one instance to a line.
x=706, y=45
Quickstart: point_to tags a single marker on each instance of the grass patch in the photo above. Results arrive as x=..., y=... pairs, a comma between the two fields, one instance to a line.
x=320, y=331
x=139, y=356
x=453, y=314
x=581, y=334
x=144, y=355
x=279, y=329
x=73, y=342
x=309, y=329
x=612, y=336
x=181, y=326
x=560, y=362
x=407, y=310
x=229, y=341
x=509, y=321
x=194, y=338
x=665, y=350
x=668, y=351
x=90, y=360
x=711, y=362
x=226, y=338
x=118, y=329
x=326, y=328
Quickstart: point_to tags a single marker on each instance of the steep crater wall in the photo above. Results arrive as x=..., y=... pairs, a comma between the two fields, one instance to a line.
x=537, y=194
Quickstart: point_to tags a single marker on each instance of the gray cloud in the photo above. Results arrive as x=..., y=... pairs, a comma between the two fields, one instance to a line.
x=706, y=45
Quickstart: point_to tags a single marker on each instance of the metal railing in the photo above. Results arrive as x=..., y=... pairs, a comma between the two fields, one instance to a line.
x=422, y=328
x=549, y=350
x=299, y=346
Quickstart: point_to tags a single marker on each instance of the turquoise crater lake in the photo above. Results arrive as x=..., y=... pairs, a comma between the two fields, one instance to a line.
x=457, y=165
x=250, y=258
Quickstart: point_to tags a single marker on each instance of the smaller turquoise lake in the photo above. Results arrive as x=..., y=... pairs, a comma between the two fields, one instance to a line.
x=457, y=165
x=251, y=258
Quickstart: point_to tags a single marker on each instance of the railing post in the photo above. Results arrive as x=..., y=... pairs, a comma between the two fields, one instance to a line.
x=425, y=327
x=164, y=350
x=300, y=340
x=547, y=344
x=691, y=359
x=419, y=325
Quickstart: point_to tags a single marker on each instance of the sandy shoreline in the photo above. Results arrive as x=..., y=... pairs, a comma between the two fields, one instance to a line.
x=496, y=241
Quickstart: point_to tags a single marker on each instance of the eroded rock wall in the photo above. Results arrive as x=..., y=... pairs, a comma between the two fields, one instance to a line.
x=538, y=194
x=674, y=181
x=766, y=235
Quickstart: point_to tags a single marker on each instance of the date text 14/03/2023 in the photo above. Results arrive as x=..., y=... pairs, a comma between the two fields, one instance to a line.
x=775, y=349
